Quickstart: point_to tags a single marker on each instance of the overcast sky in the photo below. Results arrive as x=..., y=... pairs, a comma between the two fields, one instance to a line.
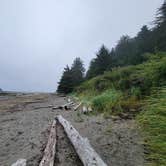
x=39, y=37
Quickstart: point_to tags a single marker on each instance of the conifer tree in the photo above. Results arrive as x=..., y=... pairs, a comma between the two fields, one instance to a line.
x=66, y=81
x=161, y=15
x=77, y=70
x=71, y=78
x=101, y=63
x=160, y=31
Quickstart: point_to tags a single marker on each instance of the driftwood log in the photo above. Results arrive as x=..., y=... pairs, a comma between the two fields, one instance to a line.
x=49, y=152
x=66, y=106
x=82, y=146
x=86, y=109
x=39, y=107
x=77, y=106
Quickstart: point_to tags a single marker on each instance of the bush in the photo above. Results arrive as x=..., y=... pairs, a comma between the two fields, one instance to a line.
x=107, y=101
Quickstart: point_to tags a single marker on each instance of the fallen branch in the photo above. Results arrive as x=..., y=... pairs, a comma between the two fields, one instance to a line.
x=84, y=150
x=77, y=106
x=49, y=152
x=49, y=106
x=66, y=106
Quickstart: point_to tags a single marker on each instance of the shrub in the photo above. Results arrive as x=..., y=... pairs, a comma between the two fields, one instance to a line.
x=107, y=101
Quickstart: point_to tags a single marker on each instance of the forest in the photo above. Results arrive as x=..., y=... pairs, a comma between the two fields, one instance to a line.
x=128, y=81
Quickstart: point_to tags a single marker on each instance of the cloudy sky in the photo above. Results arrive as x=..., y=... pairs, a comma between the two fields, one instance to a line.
x=39, y=37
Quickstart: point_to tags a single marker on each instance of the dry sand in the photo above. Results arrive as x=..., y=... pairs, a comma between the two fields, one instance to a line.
x=24, y=129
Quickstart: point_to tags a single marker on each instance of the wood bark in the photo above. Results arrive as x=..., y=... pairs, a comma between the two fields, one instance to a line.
x=49, y=152
x=65, y=106
x=77, y=106
x=82, y=146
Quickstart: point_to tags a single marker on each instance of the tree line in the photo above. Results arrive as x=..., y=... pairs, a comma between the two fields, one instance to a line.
x=128, y=51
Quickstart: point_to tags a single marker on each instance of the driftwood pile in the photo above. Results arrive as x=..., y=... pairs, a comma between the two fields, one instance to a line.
x=73, y=105
x=70, y=105
x=86, y=153
x=84, y=150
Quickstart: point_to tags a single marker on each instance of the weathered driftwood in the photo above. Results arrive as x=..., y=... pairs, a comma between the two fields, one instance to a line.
x=77, y=106
x=49, y=106
x=49, y=152
x=86, y=109
x=54, y=108
x=20, y=162
x=68, y=100
x=66, y=106
x=84, y=150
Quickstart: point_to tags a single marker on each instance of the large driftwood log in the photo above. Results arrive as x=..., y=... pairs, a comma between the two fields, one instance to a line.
x=84, y=150
x=49, y=152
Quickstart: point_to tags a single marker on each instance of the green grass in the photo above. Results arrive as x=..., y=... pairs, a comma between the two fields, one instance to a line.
x=153, y=123
x=107, y=101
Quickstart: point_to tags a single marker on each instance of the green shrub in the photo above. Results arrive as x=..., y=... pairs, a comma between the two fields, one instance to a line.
x=107, y=101
x=131, y=104
x=136, y=92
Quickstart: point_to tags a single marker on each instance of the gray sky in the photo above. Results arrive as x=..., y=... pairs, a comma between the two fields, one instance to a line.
x=39, y=37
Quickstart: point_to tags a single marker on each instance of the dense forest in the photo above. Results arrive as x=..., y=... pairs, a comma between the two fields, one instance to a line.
x=128, y=81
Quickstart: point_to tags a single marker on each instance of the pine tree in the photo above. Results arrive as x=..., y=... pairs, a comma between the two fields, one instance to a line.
x=126, y=51
x=71, y=78
x=145, y=41
x=161, y=15
x=101, y=63
x=160, y=31
x=77, y=71
x=66, y=82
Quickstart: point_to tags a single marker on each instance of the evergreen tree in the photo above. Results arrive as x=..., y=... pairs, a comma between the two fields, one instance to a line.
x=71, y=77
x=160, y=30
x=101, y=63
x=161, y=15
x=145, y=41
x=66, y=82
x=126, y=51
x=77, y=70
